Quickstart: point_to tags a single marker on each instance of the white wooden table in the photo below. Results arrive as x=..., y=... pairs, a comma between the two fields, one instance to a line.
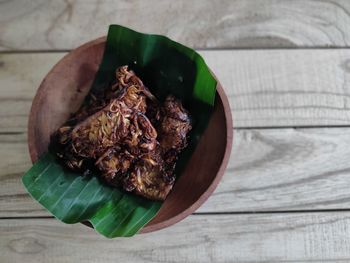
x=285, y=66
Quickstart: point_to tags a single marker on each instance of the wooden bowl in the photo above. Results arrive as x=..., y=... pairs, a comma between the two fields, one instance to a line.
x=62, y=92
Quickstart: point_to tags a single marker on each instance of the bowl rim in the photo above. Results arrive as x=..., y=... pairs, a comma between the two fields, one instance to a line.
x=203, y=197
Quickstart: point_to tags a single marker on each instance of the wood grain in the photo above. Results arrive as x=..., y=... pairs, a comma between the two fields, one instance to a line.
x=66, y=24
x=305, y=237
x=284, y=170
x=20, y=76
x=269, y=170
x=266, y=88
x=272, y=172
x=272, y=88
x=14, y=161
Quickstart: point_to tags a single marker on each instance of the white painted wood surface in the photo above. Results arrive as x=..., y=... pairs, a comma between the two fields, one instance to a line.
x=266, y=88
x=269, y=170
x=65, y=24
x=273, y=238
x=285, y=196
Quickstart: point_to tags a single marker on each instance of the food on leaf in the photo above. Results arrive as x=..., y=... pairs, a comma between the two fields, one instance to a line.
x=128, y=136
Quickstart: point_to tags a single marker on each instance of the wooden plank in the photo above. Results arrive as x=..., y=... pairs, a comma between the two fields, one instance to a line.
x=269, y=170
x=285, y=170
x=15, y=161
x=20, y=76
x=309, y=237
x=65, y=24
x=266, y=88
x=272, y=88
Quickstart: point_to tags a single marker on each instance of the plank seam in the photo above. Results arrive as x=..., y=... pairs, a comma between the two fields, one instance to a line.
x=345, y=210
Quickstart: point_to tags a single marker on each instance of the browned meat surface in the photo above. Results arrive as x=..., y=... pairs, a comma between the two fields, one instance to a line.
x=147, y=180
x=174, y=126
x=104, y=129
x=128, y=136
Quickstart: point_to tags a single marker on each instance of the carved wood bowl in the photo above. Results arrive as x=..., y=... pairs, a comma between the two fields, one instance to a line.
x=62, y=92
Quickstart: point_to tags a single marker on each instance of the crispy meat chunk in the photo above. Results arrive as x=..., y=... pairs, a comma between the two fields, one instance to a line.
x=146, y=177
x=101, y=131
x=114, y=164
x=115, y=132
x=174, y=126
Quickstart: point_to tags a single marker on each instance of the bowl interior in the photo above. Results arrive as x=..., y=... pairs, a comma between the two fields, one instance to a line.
x=62, y=92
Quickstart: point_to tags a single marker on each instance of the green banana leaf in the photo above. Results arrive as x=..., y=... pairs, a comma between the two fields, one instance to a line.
x=166, y=67
x=73, y=198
